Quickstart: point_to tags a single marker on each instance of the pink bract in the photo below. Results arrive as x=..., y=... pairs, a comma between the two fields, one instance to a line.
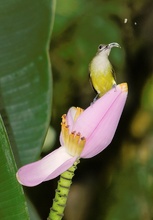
x=96, y=124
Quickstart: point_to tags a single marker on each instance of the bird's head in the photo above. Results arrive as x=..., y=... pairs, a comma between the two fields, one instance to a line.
x=104, y=49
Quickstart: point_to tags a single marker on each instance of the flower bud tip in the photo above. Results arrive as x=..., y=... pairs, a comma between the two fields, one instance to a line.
x=124, y=87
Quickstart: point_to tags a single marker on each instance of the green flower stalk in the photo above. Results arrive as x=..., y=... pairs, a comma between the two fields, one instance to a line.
x=62, y=191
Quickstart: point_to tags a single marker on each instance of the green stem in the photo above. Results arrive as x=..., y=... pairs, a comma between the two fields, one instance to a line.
x=61, y=195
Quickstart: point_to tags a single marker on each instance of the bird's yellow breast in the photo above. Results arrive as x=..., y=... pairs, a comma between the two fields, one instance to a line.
x=101, y=75
x=102, y=83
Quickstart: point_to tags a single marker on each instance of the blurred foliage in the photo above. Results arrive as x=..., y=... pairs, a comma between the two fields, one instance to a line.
x=49, y=140
x=118, y=183
x=25, y=96
x=25, y=75
x=12, y=200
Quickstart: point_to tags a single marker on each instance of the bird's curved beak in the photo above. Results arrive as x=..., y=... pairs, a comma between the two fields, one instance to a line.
x=113, y=45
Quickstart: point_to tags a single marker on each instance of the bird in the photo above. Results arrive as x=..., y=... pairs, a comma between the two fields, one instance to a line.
x=101, y=72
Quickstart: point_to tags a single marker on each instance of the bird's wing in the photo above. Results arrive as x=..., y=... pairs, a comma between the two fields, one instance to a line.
x=97, y=95
x=90, y=80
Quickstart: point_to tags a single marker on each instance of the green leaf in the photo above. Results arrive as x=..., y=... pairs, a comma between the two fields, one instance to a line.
x=25, y=74
x=12, y=202
x=32, y=210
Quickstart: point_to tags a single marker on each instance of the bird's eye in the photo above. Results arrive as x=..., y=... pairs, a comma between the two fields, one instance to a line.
x=100, y=47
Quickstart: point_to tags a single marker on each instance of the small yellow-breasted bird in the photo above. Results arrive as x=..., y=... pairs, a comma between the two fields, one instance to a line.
x=101, y=72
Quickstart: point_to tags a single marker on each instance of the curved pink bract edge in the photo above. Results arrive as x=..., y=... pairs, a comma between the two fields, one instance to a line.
x=102, y=136
x=88, y=121
x=47, y=168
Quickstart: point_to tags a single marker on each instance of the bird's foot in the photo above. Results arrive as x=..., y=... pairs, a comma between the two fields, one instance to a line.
x=114, y=86
x=95, y=99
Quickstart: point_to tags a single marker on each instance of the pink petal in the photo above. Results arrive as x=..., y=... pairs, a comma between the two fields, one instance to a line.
x=70, y=121
x=70, y=116
x=45, y=169
x=104, y=133
x=88, y=121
